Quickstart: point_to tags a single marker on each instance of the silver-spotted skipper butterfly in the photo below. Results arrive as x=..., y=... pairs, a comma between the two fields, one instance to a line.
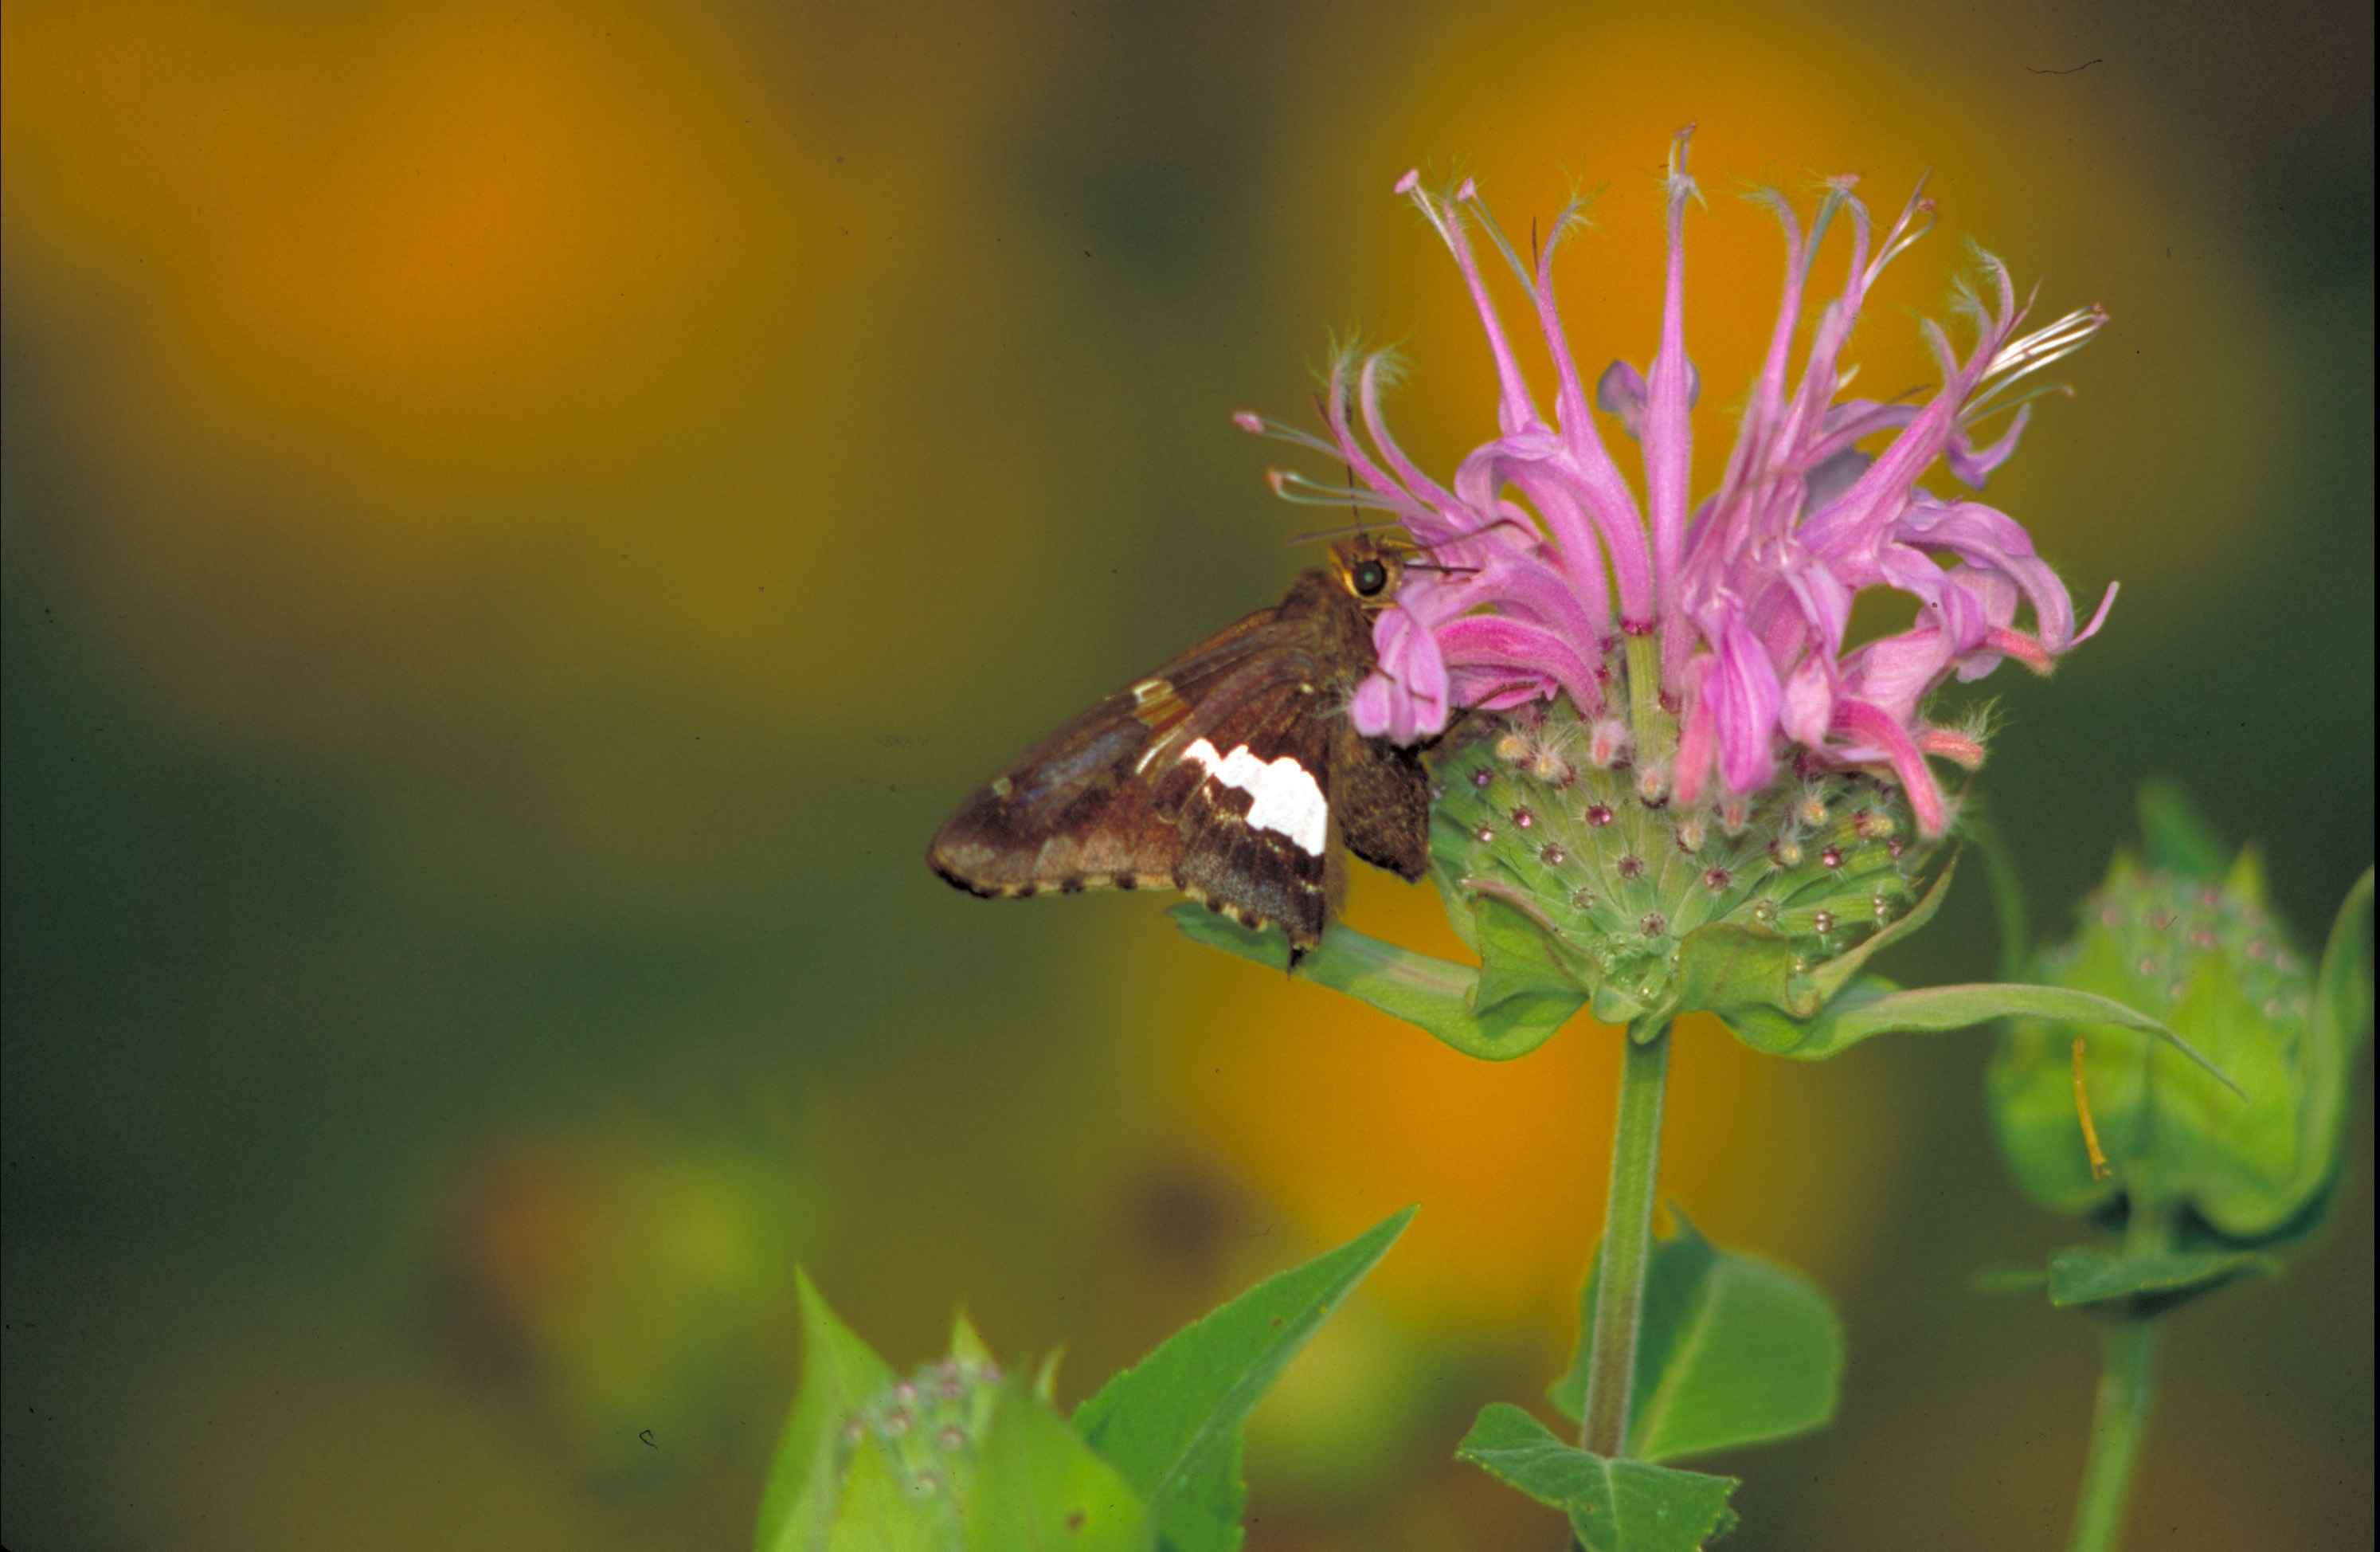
x=1231, y=774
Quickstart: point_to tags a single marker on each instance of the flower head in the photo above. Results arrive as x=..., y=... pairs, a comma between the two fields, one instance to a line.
x=1732, y=611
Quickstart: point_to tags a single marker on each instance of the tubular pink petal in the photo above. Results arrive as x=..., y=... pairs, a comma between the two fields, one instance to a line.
x=2024, y=648
x=1697, y=735
x=1896, y=672
x=1375, y=426
x=1874, y=725
x=1425, y=524
x=1379, y=710
x=1766, y=406
x=1669, y=434
x=1916, y=219
x=1974, y=465
x=1495, y=689
x=1574, y=599
x=1569, y=394
x=1515, y=413
x=1993, y=543
x=1589, y=472
x=2098, y=617
x=1745, y=697
x=1493, y=640
x=1961, y=750
x=1808, y=707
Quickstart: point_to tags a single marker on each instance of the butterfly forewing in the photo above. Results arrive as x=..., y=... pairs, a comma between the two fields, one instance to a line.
x=1078, y=809
x=1214, y=775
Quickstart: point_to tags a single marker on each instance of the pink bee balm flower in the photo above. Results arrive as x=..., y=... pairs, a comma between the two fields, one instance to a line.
x=1734, y=609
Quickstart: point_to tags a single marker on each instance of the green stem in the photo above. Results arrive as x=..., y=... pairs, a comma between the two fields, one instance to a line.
x=2008, y=889
x=2120, y=1415
x=2118, y=1421
x=1627, y=1247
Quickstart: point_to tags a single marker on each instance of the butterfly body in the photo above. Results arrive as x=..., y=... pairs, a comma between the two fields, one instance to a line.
x=1233, y=774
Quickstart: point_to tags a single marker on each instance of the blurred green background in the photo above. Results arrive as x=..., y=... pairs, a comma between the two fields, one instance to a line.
x=520, y=523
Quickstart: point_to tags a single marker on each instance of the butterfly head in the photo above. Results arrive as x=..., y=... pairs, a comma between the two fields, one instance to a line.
x=1370, y=567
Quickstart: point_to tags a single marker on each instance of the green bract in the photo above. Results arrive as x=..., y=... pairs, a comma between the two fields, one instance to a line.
x=1578, y=892
x=2191, y=941
x=1572, y=887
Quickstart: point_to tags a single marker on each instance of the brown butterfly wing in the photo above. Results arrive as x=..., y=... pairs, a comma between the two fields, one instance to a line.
x=1253, y=794
x=1380, y=796
x=1078, y=809
x=1215, y=775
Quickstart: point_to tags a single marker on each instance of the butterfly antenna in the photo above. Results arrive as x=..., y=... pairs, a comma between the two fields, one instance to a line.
x=1323, y=535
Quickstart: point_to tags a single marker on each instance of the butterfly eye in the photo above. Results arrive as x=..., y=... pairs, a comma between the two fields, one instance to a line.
x=1368, y=578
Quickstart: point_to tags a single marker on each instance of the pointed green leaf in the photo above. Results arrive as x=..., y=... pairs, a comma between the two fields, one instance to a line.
x=1170, y=1425
x=2089, y=1275
x=1874, y=1006
x=1523, y=984
x=2338, y=1023
x=840, y=1374
x=966, y=1345
x=1754, y=980
x=2177, y=836
x=1836, y=974
x=1434, y=994
x=1045, y=1379
x=1750, y=978
x=1613, y=1506
x=879, y=1511
x=1734, y=1350
x=1040, y=1488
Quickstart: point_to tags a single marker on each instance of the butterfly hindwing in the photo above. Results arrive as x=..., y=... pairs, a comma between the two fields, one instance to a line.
x=1381, y=796
x=1260, y=842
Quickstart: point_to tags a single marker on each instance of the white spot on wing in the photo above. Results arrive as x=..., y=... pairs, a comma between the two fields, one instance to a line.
x=1285, y=798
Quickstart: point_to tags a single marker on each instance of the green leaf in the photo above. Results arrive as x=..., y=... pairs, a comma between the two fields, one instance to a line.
x=840, y=1374
x=1522, y=984
x=1754, y=980
x=2338, y=1023
x=1733, y=1350
x=878, y=1511
x=2089, y=1275
x=1874, y=1006
x=1613, y=1506
x=2176, y=836
x=1835, y=974
x=1038, y=1487
x=1750, y=978
x=1170, y=1425
x=1045, y=1379
x=1433, y=994
x=966, y=1344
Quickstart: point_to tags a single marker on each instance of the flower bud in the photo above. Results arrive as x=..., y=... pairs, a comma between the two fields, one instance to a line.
x=927, y=1427
x=2202, y=952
